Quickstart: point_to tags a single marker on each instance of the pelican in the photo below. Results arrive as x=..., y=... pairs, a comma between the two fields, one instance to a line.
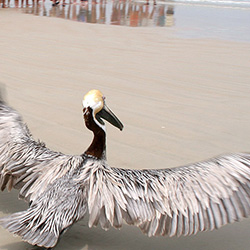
x=61, y=189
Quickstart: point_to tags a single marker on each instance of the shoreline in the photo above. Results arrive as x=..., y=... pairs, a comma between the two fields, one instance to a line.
x=192, y=21
x=180, y=100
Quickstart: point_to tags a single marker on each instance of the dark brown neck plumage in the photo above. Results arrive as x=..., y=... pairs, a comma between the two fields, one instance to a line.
x=98, y=146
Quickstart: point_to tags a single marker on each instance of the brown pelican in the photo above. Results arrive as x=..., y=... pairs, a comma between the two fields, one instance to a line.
x=62, y=188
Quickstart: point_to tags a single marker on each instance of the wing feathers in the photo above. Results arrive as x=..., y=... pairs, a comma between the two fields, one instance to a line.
x=180, y=201
x=25, y=163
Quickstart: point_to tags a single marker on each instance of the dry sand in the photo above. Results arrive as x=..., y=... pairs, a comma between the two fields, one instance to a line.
x=180, y=101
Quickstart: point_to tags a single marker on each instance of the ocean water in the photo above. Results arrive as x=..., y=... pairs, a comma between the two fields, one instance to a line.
x=226, y=22
x=228, y=3
x=215, y=19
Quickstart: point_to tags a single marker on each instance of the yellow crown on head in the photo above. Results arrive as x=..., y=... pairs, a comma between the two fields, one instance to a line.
x=94, y=99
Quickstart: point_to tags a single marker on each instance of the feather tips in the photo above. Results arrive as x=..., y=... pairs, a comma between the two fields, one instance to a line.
x=180, y=201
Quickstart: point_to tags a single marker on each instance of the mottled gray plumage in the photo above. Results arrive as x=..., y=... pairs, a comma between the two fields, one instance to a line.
x=61, y=188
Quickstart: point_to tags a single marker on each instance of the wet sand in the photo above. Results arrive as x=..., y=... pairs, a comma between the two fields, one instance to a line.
x=181, y=100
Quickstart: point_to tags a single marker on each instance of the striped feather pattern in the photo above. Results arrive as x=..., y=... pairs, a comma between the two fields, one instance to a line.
x=62, y=204
x=26, y=164
x=177, y=201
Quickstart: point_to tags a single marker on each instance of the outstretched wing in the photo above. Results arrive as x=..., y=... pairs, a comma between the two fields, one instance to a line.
x=178, y=201
x=26, y=164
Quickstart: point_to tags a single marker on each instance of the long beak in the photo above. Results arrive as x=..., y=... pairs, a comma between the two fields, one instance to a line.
x=109, y=116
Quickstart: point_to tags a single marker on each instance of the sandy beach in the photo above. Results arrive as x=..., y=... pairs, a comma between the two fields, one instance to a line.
x=181, y=101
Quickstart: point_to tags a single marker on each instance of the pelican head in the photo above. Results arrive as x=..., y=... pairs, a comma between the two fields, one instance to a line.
x=95, y=101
